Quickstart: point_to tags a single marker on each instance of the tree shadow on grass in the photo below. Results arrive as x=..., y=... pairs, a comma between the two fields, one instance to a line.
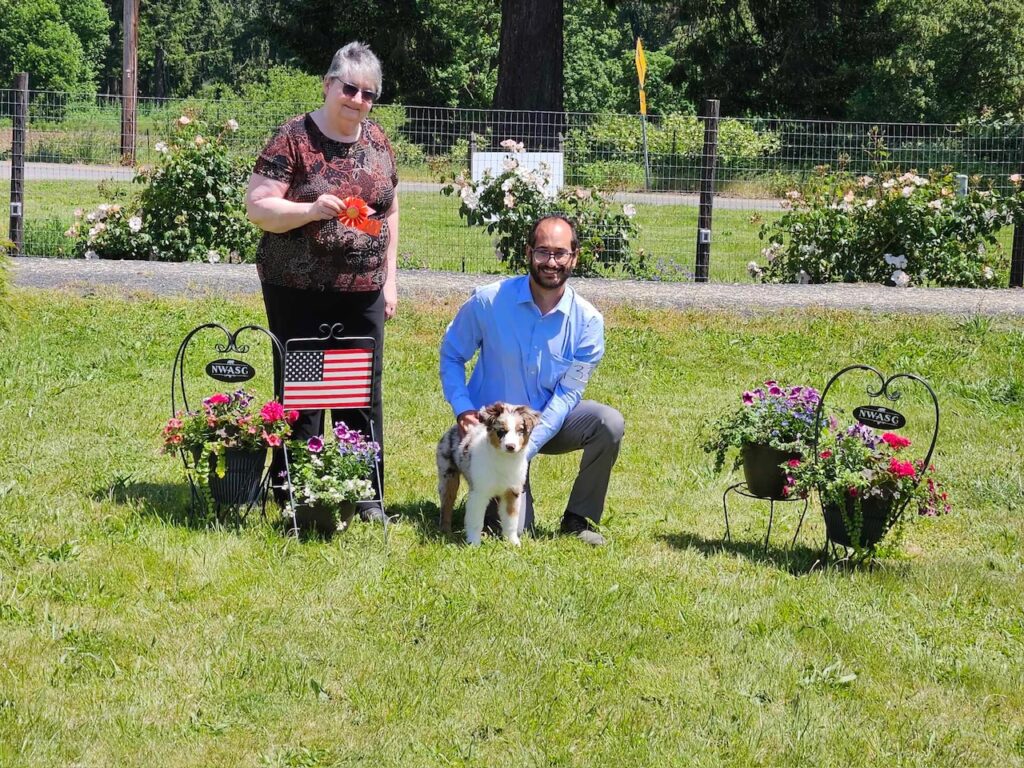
x=798, y=560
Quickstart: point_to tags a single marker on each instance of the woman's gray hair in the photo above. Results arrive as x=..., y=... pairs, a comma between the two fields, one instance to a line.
x=356, y=61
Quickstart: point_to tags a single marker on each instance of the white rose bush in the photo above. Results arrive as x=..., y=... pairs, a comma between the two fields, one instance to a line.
x=191, y=207
x=902, y=229
x=507, y=205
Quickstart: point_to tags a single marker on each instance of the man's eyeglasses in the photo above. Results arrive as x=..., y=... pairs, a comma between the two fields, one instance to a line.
x=350, y=92
x=543, y=254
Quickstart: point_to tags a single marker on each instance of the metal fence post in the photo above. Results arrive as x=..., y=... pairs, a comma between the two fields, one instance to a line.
x=19, y=125
x=707, y=189
x=1017, y=253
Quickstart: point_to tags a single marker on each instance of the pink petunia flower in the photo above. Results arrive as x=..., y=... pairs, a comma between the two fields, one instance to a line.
x=218, y=398
x=272, y=440
x=272, y=411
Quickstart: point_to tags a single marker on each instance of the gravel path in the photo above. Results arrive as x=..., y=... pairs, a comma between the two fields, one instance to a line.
x=195, y=280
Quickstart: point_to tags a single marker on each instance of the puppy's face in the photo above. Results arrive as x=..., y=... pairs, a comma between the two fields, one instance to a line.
x=509, y=426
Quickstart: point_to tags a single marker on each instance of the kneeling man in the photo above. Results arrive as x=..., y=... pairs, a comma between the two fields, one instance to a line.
x=539, y=342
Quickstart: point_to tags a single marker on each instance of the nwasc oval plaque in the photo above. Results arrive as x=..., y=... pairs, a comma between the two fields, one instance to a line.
x=879, y=416
x=229, y=370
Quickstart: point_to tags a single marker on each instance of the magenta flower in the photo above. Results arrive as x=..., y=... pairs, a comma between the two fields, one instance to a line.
x=315, y=444
x=218, y=398
x=272, y=411
x=748, y=398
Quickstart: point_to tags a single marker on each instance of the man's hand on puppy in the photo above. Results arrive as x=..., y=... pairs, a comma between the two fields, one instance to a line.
x=467, y=419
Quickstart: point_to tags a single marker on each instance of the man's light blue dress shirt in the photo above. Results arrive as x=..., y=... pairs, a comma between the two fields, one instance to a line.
x=525, y=358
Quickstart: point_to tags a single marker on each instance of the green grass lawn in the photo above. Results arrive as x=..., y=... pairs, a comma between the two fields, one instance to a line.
x=130, y=637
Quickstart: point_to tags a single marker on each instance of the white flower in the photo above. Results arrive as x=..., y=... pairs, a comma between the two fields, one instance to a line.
x=231, y=125
x=753, y=269
x=184, y=120
x=199, y=141
x=512, y=145
x=900, y=278
x=793, y=194
x=803, y=278
x=90, y=254
x=897, y=262
x=888, y=183
x=870, y=202
x=78, y=213
x=907, y=191
x=96, y=231
x=1015, y=178
x=771, y=251
x=510, y=201
x=918, y=181
x=936, y=204
x=509, y=163
x=849, y=196
x=987, y=274
x=103, y=208
x=629, y=209
x=582, y=193
x=470, y=199
x=212, y=256
x=506, y=185
x=135, y=224
x=460, y=182
x=161, y=148
x=864, y=181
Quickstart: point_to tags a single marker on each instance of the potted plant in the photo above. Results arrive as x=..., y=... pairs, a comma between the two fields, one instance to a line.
x=225, y=442
x=865, y=483
x=327, y=478
x=774, y=424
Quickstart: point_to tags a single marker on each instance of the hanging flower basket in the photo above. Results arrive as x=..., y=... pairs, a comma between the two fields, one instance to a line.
x=761, y=470
x=241, y=482
x=872, y=516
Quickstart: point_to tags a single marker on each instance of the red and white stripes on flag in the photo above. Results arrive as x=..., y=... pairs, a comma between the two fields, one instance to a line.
x=333, y=378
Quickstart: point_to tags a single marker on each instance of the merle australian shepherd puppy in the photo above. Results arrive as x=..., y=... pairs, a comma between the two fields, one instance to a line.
x=492, y=458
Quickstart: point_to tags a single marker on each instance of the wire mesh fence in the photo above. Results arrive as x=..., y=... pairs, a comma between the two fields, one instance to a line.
x=73, y=160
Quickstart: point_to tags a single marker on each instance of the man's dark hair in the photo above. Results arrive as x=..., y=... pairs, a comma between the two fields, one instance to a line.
x=531, y=240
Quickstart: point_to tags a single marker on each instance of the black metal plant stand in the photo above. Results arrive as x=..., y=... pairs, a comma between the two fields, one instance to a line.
x=245, y=495
x=879, y=417
x=741, y=489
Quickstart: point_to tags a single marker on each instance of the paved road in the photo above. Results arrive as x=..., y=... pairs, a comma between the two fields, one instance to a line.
x=195, y=280
x=82, y=172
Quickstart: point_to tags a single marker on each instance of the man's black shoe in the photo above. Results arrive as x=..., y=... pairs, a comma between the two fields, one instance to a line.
x=580, y=527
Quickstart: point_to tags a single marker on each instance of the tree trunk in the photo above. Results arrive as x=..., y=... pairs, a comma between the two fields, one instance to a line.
x=530, y=71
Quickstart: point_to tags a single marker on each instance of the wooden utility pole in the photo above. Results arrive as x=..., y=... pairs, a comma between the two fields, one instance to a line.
x=709, y=115
x=129, y=80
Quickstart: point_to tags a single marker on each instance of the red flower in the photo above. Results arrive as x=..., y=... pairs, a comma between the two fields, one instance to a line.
x=826, y=454
x=218, y=398
x=902, y=468
x=354, y=212
x=292, y=416
x=793, y=462
x=852, y=490
x=894, y=441
x=272, y=411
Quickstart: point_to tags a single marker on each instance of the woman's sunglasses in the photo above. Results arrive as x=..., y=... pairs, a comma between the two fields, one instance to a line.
x=350, y=92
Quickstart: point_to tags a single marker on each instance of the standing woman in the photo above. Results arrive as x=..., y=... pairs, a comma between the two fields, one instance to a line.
x=325, y=258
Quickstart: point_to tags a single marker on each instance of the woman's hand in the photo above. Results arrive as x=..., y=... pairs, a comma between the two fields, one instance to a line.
x=390, y=299
x=325, y=207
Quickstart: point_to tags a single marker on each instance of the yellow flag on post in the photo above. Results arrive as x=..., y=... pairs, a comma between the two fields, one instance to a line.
x=641, y=73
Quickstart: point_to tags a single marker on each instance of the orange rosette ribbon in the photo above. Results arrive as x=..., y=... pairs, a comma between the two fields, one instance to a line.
x=355, y=213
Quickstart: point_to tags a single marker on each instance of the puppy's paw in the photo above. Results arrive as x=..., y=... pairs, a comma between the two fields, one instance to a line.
x=473, y=541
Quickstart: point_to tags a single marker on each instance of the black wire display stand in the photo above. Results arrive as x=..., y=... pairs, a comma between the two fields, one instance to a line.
x=229, y=499
x=333, y=338
x=879, y=417
x=741, y=489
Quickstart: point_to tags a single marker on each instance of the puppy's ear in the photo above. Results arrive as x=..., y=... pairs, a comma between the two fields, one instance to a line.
x=490, y=413
x=529, y=416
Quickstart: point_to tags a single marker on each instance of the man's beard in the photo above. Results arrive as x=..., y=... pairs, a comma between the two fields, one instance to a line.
x=549, y=281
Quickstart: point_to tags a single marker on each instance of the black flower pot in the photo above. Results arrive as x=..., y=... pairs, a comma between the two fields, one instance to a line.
x=323, y=517
x=242, y=479
x=761, y=469
x=875, y=520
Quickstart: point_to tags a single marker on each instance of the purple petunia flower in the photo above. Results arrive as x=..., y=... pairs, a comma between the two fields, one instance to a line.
x=748, y=398
x=315, y=444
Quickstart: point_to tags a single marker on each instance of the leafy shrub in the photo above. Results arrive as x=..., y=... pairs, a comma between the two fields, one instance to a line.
x=192, y=207
x=511, y=202
x=902, y=230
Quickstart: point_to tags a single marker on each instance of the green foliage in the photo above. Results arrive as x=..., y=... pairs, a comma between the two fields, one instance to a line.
x=899, y=229
x=509, y=204
x=191, y=207
x=91, y=23
x=36, y=38
x=5, y=246
x=334, y=471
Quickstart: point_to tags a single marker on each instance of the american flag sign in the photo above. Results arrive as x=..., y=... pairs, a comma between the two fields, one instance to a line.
x=332, y=378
